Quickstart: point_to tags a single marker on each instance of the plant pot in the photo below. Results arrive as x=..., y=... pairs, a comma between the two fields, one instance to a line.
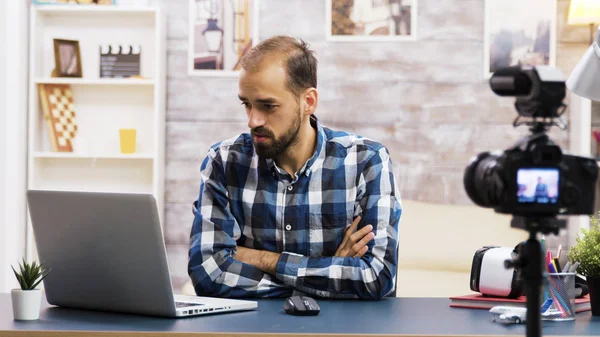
x=26, y=304
x=593, y=284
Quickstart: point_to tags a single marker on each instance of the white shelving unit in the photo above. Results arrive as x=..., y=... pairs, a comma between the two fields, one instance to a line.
x=102, y=105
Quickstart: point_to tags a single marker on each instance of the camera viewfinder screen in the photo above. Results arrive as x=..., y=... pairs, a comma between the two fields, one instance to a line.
x=537, y=186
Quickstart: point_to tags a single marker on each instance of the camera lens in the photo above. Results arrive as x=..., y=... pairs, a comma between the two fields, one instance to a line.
x=510, y=81
x=482, y=181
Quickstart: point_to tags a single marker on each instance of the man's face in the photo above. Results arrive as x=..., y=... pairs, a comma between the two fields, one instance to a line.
x=274, y=115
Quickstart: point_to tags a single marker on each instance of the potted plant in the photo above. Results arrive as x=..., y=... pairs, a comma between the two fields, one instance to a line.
x=586, y=251
x=26, y=301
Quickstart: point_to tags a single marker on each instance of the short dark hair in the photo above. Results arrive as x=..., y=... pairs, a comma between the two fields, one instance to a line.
x=299, y=61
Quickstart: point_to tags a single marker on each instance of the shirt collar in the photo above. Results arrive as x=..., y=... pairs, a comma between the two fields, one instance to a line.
x=316, y=157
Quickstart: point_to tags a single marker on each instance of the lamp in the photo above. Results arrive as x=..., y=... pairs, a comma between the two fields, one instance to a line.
x=584, y=81
x=584, y=12
x=213, y=35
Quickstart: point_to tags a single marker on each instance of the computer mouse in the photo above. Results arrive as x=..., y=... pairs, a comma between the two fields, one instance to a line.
x=301, y=306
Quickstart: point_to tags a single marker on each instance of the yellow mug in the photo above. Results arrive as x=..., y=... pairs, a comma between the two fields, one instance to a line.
x=127, y=137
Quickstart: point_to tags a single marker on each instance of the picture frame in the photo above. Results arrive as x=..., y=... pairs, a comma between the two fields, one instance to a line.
x=529, y=37
x=220, y=33
x=371, y=20
x=67, y=59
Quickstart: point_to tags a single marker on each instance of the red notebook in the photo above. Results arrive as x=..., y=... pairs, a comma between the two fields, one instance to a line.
x=478, y=301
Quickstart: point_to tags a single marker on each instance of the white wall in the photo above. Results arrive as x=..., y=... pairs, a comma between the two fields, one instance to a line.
x=13, y=136
x=2, y=115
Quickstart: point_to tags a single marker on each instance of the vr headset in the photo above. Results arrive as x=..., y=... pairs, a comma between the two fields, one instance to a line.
x=490, y=277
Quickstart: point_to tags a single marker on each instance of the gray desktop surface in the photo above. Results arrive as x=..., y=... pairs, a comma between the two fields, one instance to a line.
x=392, y=316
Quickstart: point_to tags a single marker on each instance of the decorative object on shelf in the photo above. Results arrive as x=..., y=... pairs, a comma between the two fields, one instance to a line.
x=586, y=253
x=59, y=112
x=221, y=32
x=127, y=140
x=119, y=61
x=585, y=12
x=529, y=37
x=371, y=20
x=26, y=301
x=67, y=59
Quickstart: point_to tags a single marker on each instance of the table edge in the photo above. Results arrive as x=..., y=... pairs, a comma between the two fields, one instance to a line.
x=84, y=333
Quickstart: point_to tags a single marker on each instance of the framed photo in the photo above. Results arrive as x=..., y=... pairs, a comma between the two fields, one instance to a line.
x=67, y=59
x=371, y=20
x=528, y=38
x=221, y=32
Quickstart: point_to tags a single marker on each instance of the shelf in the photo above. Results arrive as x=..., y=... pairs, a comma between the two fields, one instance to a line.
x=78, y=9
x=67, y=155
x=99, y=81
x=101, y=175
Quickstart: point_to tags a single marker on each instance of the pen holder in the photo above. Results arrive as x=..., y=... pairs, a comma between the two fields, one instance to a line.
x=558, y=297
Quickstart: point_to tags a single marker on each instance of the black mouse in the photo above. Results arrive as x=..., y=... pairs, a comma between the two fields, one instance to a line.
x=301, y=306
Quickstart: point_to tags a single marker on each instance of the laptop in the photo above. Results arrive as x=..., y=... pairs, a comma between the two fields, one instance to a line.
x=107, y=253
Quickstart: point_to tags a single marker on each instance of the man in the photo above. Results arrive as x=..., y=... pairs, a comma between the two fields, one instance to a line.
x=541, y=189
x=273, y=213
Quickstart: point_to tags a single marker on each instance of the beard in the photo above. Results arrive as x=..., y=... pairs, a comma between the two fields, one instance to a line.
x=280, y=144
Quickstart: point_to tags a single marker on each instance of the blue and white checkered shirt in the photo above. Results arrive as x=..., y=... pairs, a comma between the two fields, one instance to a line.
x=247, y=200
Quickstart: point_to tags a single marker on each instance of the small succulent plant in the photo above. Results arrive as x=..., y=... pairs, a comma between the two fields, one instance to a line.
x=30, y=274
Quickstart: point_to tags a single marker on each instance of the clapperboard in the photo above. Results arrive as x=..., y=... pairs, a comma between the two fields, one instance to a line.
x=117, y=60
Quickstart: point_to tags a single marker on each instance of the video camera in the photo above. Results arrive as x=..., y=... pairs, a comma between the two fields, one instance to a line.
x=533, y=177
x=533, y=180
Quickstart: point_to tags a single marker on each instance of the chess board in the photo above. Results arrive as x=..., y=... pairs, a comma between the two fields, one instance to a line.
x=59, y=112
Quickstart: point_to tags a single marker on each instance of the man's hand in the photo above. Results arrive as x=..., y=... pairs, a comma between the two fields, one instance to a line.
x=355, y=243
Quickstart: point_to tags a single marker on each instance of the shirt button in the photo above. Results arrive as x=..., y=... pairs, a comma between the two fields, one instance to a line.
x=288, y=227
x=290, y=187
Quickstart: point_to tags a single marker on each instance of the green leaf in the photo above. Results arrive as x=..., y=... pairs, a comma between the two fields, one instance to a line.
x=41, y=279
x=19, y=278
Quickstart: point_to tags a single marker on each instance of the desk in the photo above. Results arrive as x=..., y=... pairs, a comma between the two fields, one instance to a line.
x=390, y=317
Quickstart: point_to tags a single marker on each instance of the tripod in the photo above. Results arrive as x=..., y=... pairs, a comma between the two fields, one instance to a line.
x=530, y=265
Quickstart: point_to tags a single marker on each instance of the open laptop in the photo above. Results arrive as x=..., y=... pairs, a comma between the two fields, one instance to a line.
x=107, y=252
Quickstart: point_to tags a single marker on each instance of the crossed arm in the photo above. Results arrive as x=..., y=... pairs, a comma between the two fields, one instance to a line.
x=363, y=266
x=353, y=245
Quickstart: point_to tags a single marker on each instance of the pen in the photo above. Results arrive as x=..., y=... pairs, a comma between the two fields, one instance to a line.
x=567, y=266
x=557, y=265
x=543, y=242
x=574, y=267
x=559, y=251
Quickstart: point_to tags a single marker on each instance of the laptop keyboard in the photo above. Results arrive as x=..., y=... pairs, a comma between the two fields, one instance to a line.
x=186, y=304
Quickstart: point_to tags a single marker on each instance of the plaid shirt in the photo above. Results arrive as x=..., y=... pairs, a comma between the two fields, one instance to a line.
x=247, y=200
